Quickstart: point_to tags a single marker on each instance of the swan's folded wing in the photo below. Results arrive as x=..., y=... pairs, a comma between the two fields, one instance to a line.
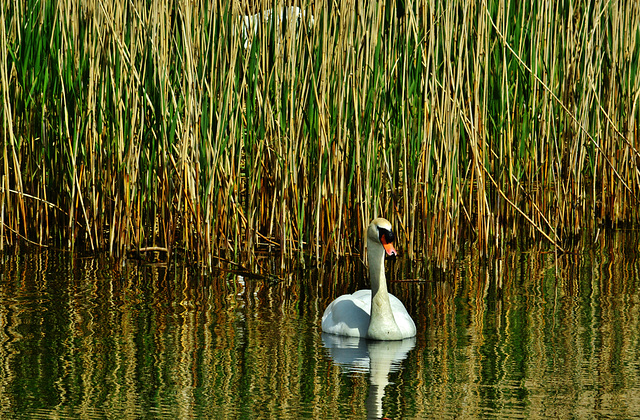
x=348, y=315
x=403, y=319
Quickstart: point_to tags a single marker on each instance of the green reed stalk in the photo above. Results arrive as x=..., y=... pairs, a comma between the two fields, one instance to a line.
x=129, y=127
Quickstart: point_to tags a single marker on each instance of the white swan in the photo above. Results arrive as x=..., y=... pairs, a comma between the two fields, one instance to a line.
x=375, y=313
x=249, y=24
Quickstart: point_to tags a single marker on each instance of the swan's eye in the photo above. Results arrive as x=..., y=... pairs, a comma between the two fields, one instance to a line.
x=386, y=236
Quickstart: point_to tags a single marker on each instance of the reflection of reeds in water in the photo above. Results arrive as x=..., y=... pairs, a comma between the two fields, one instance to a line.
x=508, y=336
x=128, y=125
x=534, y=336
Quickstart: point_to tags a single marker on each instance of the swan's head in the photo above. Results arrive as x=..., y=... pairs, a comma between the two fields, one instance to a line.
x=380, y=232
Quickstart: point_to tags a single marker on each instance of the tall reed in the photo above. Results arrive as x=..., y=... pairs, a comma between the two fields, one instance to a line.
x=129, y=126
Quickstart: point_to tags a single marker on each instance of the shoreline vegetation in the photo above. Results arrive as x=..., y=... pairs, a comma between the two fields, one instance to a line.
x=129, y=125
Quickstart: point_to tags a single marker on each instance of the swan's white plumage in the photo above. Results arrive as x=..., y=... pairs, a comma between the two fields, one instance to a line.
x=351, y=315
x=249, y=24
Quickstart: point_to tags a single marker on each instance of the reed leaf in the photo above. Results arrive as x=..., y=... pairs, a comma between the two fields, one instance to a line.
x=219, y=130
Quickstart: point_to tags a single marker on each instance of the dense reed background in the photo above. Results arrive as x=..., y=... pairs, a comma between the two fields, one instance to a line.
x=131, y=125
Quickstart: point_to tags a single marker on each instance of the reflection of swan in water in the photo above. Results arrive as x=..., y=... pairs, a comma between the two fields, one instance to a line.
x=379, y=358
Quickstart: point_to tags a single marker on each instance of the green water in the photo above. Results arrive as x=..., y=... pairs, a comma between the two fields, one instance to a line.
x=526, y=335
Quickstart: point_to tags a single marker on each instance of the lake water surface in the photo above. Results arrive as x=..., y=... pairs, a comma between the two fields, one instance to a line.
x=528, y=334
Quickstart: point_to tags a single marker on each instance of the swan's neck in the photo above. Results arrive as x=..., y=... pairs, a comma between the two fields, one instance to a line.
x=382, y=324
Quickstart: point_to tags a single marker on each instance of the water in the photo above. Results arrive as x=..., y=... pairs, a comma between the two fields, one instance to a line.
x=524, y=335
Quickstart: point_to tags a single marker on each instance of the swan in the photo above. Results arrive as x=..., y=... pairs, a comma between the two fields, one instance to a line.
x=375, y=314
x=249, y=24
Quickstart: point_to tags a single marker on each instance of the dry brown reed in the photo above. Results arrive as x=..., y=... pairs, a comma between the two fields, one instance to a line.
x=128, y=126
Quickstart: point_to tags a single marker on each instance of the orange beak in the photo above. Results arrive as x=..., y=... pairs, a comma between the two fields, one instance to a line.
x=388, y=247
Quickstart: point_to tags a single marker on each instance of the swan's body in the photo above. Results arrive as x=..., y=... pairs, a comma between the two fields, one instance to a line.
x=375, y=313
x=249, y=24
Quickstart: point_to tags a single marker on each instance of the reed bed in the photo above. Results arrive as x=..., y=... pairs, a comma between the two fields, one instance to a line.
x=164, y=126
